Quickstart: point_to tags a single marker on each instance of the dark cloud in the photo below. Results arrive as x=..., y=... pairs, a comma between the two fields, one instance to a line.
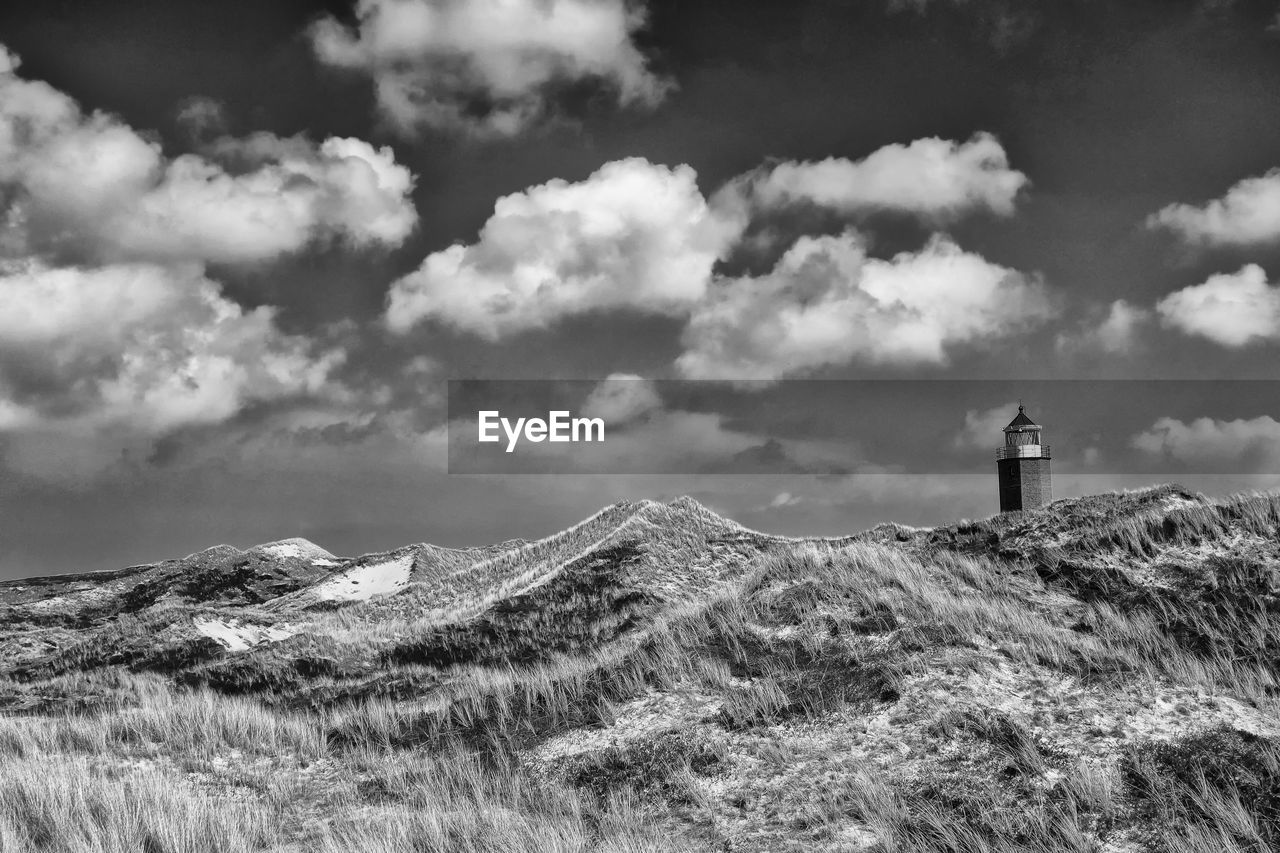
x=202, y=118
x=1006, y=25
x=1113, y=112
x=771, y=458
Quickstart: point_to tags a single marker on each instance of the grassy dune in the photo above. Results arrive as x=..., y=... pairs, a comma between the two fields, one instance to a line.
x=1099, y=676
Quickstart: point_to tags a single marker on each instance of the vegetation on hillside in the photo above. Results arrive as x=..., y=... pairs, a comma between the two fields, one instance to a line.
x=1098, y=676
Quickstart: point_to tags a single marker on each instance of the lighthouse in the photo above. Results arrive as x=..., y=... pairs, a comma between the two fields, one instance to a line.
x=1022, y=466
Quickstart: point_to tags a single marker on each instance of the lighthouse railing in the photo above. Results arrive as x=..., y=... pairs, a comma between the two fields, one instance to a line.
x=1023, y=451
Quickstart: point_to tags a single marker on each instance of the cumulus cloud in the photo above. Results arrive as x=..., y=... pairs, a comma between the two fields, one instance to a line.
x=632, y=235
x=1232, y=309
x=110, y=355
x=113, y=337
x=9, y=61
x=91, y=186
x=984, y=428
x=1212, y=440
x=934, y=178
x=1249, y=214
x=1118, y=329
x=641, y=237
x=826, y=303
x=488, y=66
x=203, y=118
x=1113, y=331
x=622, y=398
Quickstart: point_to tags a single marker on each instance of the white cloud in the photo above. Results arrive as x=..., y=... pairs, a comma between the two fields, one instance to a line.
x=111, y=357
x=938, y=179
x=9, y=61
x=343, y=189
x=1114, y=332
x=632, y=235
x=1232, y=309
x=488, y=66
x=1248, y=214
x=92, y=186
x=641, y=237
x=985, y=428
x=1118, y=329
x=622, y=398
x=1211, y=439
x=112, y=336
x=826, y=303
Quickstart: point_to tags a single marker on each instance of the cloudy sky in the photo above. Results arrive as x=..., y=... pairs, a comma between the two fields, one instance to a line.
x=805, y=257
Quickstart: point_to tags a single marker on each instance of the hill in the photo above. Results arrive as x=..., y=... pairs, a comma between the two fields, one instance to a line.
x=1100, y=675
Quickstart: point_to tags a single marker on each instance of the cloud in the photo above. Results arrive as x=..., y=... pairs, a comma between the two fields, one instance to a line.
x=622, y=398
x=937, y=179
x=632, y=235
x=116, y=346
x=783, y=499
x=155, y=346
x=1118, y=329
x=90, y=186
x=772, y=456
x=1249, y=214
x=1114, y=332
x=985, y=429
x=1231, y=309
x=113, y=356
x=641, y=237
x=202, y=118
x=9, y=61
x=1004, y=24
x=827, y=303
x=1212, y=440
x=488, y=66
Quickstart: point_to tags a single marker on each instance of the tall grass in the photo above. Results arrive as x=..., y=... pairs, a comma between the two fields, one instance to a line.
x=136, y=781
x=399, y=731
x=59, y=805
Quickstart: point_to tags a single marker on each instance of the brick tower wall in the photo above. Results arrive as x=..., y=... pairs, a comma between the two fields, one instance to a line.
x=1024, y=483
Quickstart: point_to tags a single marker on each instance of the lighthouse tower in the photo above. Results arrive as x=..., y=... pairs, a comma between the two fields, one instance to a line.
x=1022, y=466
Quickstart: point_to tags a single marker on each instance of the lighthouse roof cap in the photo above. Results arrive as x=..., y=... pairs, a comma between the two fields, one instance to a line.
x=1021, y=421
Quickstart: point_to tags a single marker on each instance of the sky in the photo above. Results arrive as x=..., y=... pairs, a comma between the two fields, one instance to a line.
x=803, y=258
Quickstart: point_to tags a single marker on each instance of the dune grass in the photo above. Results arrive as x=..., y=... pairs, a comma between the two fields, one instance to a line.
x=68, y=805
x=416, y=734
